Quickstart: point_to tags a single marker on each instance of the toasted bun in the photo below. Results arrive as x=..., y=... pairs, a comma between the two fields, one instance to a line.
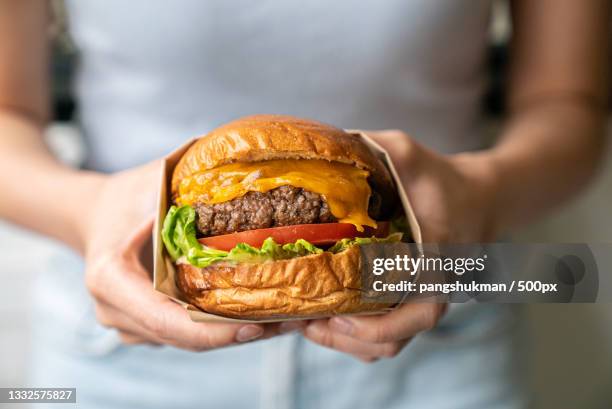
x=267, y=137
x=308, y=286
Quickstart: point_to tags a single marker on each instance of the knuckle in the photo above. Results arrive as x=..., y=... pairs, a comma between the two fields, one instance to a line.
x=429, y=318
x=157, y=324
x=210, y=341
x=409, y=147
x=205, y=338
x=380, y=333
x=93, y=281
x=391, y=350
x=103, y=317
x=123, y=256
x=326, y=339
x=129, y=339
x=318, y=335
x=367, y=359
x=99, y=273
x=394, y=132
x=193, y=348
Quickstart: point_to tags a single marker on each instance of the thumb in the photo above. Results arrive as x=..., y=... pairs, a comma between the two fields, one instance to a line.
x=140, y=235
x=404, y=152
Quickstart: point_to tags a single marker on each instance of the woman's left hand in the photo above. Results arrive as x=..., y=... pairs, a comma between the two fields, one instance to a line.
x=454, y=200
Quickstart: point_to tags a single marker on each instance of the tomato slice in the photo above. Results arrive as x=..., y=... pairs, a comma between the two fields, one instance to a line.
x=323, y=234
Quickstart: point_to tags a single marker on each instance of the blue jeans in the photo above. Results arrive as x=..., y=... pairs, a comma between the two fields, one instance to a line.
x=470, y=360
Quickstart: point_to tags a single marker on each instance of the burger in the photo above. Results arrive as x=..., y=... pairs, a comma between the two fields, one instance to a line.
x=268, y=214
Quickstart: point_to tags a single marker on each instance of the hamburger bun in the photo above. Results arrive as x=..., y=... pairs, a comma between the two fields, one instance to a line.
x=308, y=286
x=268, y=137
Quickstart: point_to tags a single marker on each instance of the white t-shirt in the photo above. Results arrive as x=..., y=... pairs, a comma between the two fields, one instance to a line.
x=155, y=72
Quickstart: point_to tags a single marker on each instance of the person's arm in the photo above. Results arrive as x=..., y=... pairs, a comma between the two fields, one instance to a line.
x=555, y=135
x=107, y=218
x=550, y=148
x=37, y=191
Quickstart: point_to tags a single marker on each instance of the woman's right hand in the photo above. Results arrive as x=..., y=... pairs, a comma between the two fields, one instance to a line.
x=115, y=228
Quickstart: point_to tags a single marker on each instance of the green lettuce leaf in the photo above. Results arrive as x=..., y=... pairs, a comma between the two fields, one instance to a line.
x=270, y=250
x=346, y=243
x=179, y=237
x=301, y=248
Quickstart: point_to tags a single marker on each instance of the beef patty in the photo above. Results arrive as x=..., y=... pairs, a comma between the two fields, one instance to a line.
x=283, y=206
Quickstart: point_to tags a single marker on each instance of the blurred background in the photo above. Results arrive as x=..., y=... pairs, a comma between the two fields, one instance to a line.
x=570, y=345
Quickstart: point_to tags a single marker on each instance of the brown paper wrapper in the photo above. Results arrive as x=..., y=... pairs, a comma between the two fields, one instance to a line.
x=164, y=271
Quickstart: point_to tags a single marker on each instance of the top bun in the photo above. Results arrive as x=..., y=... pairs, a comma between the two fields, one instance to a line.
x=267, y=137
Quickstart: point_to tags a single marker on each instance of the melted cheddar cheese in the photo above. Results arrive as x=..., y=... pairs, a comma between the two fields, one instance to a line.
x=344, y=187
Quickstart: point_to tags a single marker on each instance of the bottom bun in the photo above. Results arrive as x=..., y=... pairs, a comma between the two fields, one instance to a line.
x=315, y=285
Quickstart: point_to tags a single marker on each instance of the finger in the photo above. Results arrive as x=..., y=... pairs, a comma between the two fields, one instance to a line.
x=128, y=338
x=319, y=333
x=289, y=327
x=282, y=328
x=111, y=317
x=401, y=323
x=172, y=324
x=401, y=147
x=139, y=236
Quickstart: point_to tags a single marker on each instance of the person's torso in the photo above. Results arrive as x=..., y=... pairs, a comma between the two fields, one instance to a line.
x=153, y=73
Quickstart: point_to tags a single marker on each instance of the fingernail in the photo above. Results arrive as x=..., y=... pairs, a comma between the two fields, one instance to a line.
x=249, y=333
x=342, y=325
x=290, y=326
